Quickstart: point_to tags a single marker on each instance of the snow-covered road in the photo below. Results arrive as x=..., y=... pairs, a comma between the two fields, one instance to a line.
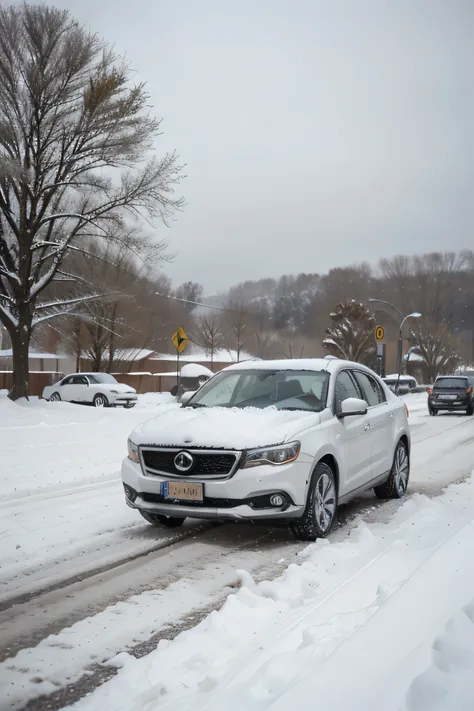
x=86, y=575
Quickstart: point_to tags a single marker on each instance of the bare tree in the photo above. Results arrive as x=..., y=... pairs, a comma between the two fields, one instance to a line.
x=351, y=334
x=292, y=346
x=427, y=283
x=438, y=348
x=189, y=292
x=210, y=334
x=75, y=163
x=234, y=327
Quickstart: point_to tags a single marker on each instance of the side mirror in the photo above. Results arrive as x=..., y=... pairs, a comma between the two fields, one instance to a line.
x=352, y=406
x=186, y=397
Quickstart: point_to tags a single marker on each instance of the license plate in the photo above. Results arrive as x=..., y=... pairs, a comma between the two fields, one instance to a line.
x=448, y=397
x=183, y=491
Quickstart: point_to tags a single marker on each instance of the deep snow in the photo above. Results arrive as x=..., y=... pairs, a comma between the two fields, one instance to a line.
x=356, y=626
x=276, y=644
x=60, y=491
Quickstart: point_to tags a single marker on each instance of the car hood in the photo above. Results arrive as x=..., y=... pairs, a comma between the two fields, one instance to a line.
x=223, y=428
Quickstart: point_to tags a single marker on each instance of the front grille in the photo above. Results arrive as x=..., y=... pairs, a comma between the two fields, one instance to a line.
x=206, y=464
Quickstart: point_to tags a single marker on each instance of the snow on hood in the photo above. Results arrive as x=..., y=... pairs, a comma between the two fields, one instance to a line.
x=119, y=387
x=223, y=428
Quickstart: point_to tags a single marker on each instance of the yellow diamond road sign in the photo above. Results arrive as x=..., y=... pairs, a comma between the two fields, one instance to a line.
x=180, y=340
x=379, y=333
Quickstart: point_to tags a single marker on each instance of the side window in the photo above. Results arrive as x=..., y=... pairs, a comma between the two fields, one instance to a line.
x=79, y=380
x=66, y=381
x=345, y=387
x=371, y=390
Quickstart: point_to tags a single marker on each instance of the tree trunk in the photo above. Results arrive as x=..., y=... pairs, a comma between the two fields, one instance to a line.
x=20, y=346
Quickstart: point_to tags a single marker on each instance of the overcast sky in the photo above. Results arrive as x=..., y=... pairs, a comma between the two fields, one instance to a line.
x=316, y=133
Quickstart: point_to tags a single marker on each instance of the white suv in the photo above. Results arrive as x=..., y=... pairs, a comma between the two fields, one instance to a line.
x=271, y=440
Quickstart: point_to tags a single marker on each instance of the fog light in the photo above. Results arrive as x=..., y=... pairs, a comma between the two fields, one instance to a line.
x=130, y=493
x=277, y=500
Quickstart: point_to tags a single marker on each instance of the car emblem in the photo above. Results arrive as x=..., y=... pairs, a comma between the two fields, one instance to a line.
x=183, y=461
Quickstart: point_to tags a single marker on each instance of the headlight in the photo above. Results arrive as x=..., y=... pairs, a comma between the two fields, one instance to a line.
x=133, y=451
x=282, y=454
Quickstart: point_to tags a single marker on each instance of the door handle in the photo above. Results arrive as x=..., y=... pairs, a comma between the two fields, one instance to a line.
x=391, y=414
x=367, y=426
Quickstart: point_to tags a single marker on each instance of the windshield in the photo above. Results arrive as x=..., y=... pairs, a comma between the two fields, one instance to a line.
x=283, y=389
x=451, y=383
x=98, y=378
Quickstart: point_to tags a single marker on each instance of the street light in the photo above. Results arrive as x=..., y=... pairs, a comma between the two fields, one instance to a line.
x=403, y=319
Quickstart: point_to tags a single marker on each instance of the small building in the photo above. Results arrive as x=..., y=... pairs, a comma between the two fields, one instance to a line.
x=40, y=362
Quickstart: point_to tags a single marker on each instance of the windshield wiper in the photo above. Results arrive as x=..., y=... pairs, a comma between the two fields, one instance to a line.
x=296, y=409
x=195, y=405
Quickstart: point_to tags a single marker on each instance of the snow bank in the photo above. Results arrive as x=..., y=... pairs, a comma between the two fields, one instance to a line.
x=60, y=488
x=345, y=628
x=156, y=399
x=448, y=683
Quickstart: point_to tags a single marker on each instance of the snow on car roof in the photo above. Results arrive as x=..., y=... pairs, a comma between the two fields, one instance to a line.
x=395, y=377
x=329, y=365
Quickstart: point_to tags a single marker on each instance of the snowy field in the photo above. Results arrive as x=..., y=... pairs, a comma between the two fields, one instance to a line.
x=61, y=500
x=382, y=610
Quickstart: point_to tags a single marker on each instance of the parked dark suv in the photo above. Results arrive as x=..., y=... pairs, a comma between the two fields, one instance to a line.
x=453, y=393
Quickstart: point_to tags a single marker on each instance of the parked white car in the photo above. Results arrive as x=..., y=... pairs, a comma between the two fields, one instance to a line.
x=98, y=389
x=271, y=441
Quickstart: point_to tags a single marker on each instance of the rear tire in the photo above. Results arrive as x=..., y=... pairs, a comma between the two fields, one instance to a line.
x=321, y=506
x=160, y=520
x=397, y=483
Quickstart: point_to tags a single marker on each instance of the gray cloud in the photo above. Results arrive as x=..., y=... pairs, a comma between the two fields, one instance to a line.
x=316, y=132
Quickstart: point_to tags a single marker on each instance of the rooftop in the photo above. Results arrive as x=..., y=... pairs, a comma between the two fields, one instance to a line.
x=35, y=354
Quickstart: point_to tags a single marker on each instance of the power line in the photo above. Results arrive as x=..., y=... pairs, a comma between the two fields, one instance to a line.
x=196, y=303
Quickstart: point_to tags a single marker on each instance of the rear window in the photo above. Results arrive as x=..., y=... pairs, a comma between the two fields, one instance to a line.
x=451, y=383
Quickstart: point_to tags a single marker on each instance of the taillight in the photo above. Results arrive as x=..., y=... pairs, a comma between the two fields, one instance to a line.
x=429, y=391
x=407, y=410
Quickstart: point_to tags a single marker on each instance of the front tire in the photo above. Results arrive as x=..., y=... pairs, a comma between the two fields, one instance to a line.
x=55, y=397
x=159, y=520
x=100, y=401
x=397, y=483
x=470, y=410
x=321, y=506
x=433, y=413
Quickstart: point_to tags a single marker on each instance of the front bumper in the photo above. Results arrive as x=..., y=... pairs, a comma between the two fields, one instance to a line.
x=126, y=400
x=236, y=499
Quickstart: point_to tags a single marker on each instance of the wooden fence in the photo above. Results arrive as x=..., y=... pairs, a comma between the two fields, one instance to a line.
x=37, y=380
x=148, y=383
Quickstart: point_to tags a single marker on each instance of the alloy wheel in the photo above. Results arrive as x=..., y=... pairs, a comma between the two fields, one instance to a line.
x=402, y=469
x=325, y=501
